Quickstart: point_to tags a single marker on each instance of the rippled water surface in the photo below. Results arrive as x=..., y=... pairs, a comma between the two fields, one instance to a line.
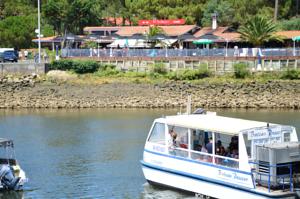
x=94, y=153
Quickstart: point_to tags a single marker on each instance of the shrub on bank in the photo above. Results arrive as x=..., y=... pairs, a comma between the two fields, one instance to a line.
x=79, y=67
x=189, y=74
x=107, y=70
x=290, y=74
x=241, y=71
x=159, y=68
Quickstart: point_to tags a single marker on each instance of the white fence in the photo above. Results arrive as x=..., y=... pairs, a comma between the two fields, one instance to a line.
x=218, y=52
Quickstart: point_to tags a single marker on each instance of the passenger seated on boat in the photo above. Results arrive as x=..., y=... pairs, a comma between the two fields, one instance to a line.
x=197, y=147
x=234, y=154
x=220, y=150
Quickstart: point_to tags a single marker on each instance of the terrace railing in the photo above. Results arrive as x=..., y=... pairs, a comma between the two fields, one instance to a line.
x=217, y=52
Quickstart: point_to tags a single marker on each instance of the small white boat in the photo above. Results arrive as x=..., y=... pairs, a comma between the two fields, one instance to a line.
x=223, y=157
x=12, y=177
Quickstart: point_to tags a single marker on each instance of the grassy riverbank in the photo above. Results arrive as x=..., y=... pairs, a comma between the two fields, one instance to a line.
x=93, y=72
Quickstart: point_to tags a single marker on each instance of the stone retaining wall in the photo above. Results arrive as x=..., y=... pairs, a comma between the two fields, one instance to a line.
x=32, y=92
x=22, y=68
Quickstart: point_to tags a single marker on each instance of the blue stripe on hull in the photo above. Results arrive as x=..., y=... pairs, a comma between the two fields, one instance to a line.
x=216, y=182
x=198, y=162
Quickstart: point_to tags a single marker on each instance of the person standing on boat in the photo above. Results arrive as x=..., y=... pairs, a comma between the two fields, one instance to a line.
x=209, y=145
x=172, y=140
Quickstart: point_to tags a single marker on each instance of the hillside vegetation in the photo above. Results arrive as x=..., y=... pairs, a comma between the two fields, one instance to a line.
x=18, y=19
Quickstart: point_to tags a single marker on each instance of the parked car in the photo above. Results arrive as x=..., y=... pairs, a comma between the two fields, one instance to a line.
x=11, y=55
x=1, y=57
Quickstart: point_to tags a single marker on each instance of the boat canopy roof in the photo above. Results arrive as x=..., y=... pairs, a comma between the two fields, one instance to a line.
x=6, y=142
x=226, y=125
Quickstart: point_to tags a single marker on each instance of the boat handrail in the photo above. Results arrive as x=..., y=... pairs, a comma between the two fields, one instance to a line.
x=207, y=154
x=283, y=176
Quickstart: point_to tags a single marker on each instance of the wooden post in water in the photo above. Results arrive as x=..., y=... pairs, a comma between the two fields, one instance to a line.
x=189, y=105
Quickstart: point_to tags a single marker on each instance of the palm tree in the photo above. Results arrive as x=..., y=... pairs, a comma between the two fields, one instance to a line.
x=259, y=30
x=154, y=31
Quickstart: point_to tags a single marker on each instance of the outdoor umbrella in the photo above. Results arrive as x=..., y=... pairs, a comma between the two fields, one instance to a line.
x=159, y=36
x=203, y=41
x=297, y=38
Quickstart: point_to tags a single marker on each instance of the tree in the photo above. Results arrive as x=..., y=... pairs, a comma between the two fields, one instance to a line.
x=17, y=31
x=223, y=9
x=259, y=30
x=80, y=14
x=291, y=24
x=56, y=14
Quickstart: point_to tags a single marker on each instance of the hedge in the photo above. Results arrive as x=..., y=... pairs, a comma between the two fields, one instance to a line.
x=79, y=67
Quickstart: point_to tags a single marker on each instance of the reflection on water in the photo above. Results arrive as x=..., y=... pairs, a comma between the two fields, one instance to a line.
x=154, y=192
x=94, y=153
x=12, y=195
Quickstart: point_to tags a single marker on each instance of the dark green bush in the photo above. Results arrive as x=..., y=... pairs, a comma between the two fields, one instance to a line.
x=82, y=67
x=241, y=71
x=64, y=64
x=79, y=67
x=291, y=74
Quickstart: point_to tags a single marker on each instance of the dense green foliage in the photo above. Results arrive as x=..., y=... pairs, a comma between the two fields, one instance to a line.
x=291, y=24
x=18, y=18
x=241, y=71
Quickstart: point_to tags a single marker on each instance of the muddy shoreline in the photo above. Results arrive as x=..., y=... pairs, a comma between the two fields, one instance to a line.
x=32, y=92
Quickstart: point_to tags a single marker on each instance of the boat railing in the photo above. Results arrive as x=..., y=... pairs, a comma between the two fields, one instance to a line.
x=205, y=157
x=284, y=179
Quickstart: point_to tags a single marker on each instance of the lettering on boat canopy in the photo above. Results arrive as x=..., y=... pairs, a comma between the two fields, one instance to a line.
x=158, y=148
x=264, y=132
x=234, y=176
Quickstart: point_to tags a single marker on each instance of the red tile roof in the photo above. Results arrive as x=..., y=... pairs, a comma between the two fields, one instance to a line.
x=130, y=30
x=289, y=34
x=102, y=28
x=45, y=39
x=206, y=30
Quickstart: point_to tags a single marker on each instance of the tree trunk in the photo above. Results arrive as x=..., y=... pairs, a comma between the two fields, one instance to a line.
x=276, y=10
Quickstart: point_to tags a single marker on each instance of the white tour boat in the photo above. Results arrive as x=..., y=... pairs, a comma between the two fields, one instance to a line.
x=12, y=177
x=223, y=157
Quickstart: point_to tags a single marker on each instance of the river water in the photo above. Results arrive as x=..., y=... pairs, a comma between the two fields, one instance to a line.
x=94, y=153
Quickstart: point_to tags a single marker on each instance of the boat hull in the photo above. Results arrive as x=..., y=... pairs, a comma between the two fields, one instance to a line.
x=175, y=180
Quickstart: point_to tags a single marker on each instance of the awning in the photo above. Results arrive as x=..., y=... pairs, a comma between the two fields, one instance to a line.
x=130, y=43
x=165, y=43
x=297, y=38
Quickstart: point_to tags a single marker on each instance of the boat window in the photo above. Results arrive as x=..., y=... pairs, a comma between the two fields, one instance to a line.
x=200, y=139
x=226, y=145
x=181, y=139
x=158, y=134
x=286, y=137
x=247, y=144
x=226, y=148
x=178, y=143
